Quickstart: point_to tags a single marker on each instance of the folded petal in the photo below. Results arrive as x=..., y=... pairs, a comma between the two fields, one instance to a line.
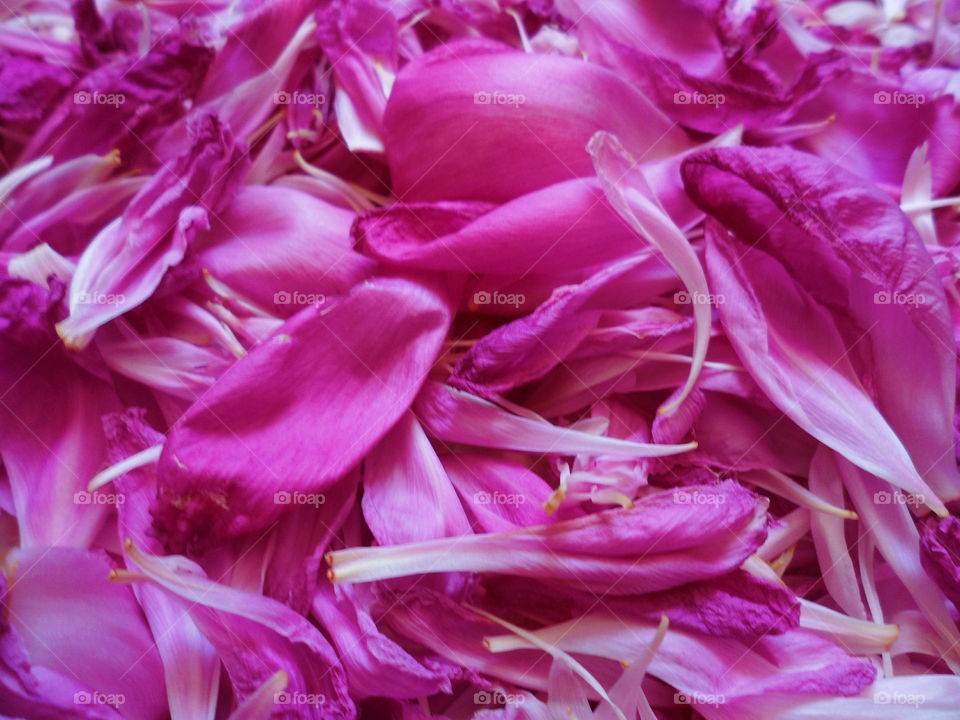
x=564, y=226
x=874, y=286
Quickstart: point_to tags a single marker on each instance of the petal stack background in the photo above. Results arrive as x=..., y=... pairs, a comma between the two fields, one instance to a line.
x=451, y=359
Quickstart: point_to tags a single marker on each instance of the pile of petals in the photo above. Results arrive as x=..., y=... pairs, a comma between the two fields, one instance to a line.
x=494, y=359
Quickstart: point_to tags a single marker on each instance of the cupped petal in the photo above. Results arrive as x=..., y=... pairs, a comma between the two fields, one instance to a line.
x=545, y=108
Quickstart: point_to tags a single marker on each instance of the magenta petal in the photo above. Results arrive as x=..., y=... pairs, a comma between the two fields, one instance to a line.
x=407, y=495
x=375, y=665
x=49, y=457
x=61, y=604
x=528, y=348
x=804, y=368
x=555, y=229
x=861, y=261
x=222, y=466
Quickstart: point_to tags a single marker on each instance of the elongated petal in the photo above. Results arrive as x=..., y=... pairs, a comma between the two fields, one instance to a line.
x=653, y=546
x=628, y=191
x=804, y=368
x=456, y=416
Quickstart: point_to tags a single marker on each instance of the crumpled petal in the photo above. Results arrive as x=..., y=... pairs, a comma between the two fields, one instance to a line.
x=126, y=262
